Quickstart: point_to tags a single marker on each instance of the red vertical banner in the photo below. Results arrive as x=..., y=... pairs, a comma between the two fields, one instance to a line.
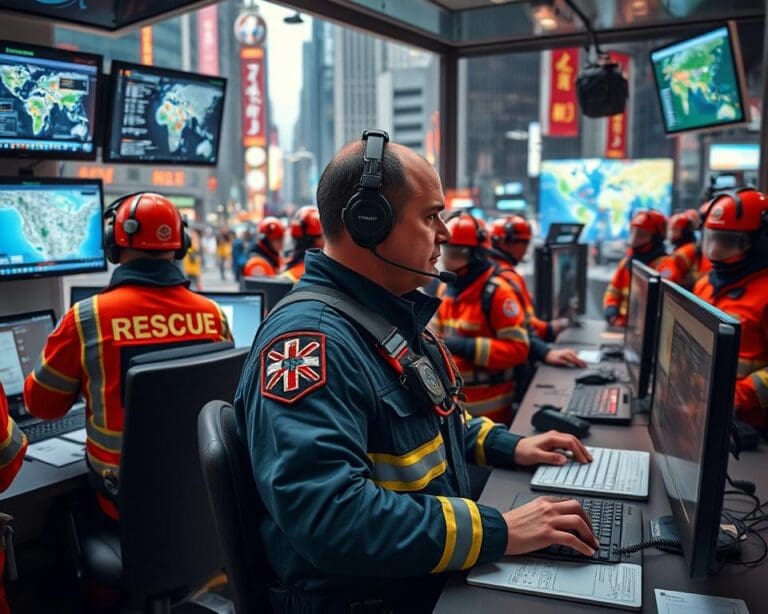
x=208, y=40
x=254, y=96
x=146, y=52
x=617, y=132
x=563, y=116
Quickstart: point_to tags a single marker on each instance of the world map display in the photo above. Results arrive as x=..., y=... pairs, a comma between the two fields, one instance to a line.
x=697, y=82
x=187, y=112
x=602, y=194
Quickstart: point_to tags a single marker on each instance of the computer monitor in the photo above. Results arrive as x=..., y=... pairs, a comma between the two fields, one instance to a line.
x=563, y=232
x=560, y=280
x=734, y=157
x=695, y=375
x=80, y=293
x=22, y=339
x=48, y=102
x=163, y=116
x=700, y=81
x=244, y=311
x=273, y=288
x=640, y=333
x=50, y=227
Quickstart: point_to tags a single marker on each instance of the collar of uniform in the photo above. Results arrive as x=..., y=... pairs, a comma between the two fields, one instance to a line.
x=410, y=313
x=722, y=277
x=472, y=272
x=503, y=257
x=148, y=272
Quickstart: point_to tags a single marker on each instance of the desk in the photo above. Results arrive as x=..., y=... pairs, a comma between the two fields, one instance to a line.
x=660, y=570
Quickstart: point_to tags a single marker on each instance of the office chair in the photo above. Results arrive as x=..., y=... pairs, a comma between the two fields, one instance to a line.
x=236, y=507
x=166, y=541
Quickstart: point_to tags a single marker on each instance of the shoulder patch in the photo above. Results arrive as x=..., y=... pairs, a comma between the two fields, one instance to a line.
x=510, y=308
x=293, y=365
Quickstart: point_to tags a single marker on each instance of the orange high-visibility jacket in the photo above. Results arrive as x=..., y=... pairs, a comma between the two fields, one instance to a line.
x=259, y=266
x=540, y=328
x=494, y=344
x=686, y=260
x=616, y=297
x=294, y=272
x=747, y=301
x=85, y=353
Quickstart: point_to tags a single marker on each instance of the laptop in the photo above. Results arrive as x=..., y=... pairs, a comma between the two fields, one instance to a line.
x=615, y=403
x=22, y=338
x=612, y=472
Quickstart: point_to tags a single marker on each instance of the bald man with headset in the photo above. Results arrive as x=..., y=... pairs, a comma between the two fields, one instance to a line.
x=348, y=405
x=147, y=305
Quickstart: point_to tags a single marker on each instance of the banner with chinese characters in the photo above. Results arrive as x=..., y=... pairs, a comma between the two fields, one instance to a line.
x=616, y=129
x=563, y=110
x=208, y=40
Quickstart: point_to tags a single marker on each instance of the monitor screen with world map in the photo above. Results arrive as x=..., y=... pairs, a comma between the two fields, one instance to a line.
x=50, y=227
x=700, y=82
x=48, y=102
x=163, y=116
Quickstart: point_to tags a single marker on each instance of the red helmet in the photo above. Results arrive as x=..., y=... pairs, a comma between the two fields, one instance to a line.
x=738, y=211
x=271, y=229
x=652, y=221
x=306, y=223
x=146, y=221
x=468, y=231
x=683, y=222
x=509, y=229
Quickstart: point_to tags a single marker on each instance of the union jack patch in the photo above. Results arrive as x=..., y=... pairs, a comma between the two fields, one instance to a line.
x=292, y=366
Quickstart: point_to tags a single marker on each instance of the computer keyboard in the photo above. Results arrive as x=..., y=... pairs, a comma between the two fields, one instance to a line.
x=39, y=430
x=592, y=401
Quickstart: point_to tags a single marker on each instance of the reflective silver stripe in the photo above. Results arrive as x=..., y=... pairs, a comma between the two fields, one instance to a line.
x=112, y=441
x=50, y=378
x=413, y=474
x=13, y=442
x=101, y=468
x=465, y=537
x=514, y=333
x=87, y=319
x=760, y=379
x=482, y=351
x=746, y=367
x=480, y=408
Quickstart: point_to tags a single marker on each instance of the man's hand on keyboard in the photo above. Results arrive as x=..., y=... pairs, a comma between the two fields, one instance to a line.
x=564, y=357
x=542, y=449
x=546, y=521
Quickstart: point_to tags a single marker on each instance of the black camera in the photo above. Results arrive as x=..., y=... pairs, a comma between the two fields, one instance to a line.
x=421, y=380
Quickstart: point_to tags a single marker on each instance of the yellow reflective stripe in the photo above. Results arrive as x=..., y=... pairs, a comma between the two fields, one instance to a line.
x=461, y=324
x=612, y=290
x=413, y=471
x=747, y=367
x=288, y=275
x=487, y=406
x=51, y=379
x=414, y=485
x=477, y=535
x=450, y=535
x=89, y=330
x=482, y=434
x=482, y=351
x=13, y=442
x=110, y=441
x=513, y=333
x=760, y=380
x=409, y=458
x=101, y=468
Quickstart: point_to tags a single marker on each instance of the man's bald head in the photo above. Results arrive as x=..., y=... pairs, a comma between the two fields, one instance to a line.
x=341, y=178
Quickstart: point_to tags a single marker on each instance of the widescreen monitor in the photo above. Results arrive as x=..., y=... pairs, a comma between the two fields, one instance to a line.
x=244, y=311
x=163, y=116
x=700, y=82
x=734, y=156
x=602, y=194
x=693, y=386
x=48, y=102
x=560, y=280
x=50, y=227
x=640, y=333
x=80, y=293
x=22, y=338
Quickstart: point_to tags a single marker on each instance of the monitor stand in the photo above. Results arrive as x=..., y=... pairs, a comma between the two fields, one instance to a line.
x=664, y=528
x=641, y=406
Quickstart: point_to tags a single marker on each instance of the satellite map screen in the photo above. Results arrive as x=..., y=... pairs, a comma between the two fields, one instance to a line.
x=164, y=116
x=50, y=227
x=699, y=82
x=602, y=194
x=48, y=101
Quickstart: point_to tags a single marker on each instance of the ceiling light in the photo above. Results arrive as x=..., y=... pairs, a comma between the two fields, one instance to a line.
x=544, y=15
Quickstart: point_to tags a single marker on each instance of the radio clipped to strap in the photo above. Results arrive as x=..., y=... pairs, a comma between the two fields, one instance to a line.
x=432, y=386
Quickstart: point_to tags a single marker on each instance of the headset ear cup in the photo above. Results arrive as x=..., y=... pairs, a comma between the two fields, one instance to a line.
x=186, y=241
x=368, y=219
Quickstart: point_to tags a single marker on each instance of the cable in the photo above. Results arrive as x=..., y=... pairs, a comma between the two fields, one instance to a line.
x=662, y=543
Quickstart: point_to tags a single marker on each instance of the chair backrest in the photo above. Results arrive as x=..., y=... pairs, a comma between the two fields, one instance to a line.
x=166, y=528
x=236, y=505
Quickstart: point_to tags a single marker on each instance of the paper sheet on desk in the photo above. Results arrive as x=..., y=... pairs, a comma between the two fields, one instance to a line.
x=590, y=356
x=674, y=602
x=617, y=585
x=56, y=452
x=78, y=436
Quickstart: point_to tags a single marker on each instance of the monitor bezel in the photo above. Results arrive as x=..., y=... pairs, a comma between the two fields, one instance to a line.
x=700, y=551
x=63, y=55
x=640, y=382
x=544, y=278
x=115, y=68
x=733, y=40
x=60, y=181
x=98, y=289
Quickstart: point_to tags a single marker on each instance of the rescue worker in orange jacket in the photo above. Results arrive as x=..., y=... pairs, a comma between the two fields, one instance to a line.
x=13, y=446
x=306, y=233
x=736, y=241
x=510, y=237
x=648, y=230
x=265, y=259
x=685, y=254
x=146, y=306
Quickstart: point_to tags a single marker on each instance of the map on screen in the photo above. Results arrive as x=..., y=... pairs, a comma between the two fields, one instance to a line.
x=698, y=82
x=602, y=194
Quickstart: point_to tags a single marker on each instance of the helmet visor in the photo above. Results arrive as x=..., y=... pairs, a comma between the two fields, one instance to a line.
x=724, y=245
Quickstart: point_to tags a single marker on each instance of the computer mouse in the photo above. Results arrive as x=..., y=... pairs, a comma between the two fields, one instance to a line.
x=550, y=418
x=595, y=377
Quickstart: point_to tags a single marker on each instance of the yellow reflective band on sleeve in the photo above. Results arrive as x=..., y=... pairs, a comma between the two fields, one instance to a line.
x=747, y=367
x=482, y=434
x=760, y=380
x=477, y=535
x=450, y=535
x=412, y=471
x=513, y=333
x=13, y=442
x=53, y=380
x=482, y=351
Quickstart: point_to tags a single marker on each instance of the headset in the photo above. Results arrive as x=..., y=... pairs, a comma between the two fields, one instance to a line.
x=131, y=226
x=762, y=232
x=481, y=233
x=368, y=216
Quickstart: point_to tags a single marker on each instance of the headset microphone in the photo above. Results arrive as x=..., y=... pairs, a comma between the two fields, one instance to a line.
x=444, y=276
